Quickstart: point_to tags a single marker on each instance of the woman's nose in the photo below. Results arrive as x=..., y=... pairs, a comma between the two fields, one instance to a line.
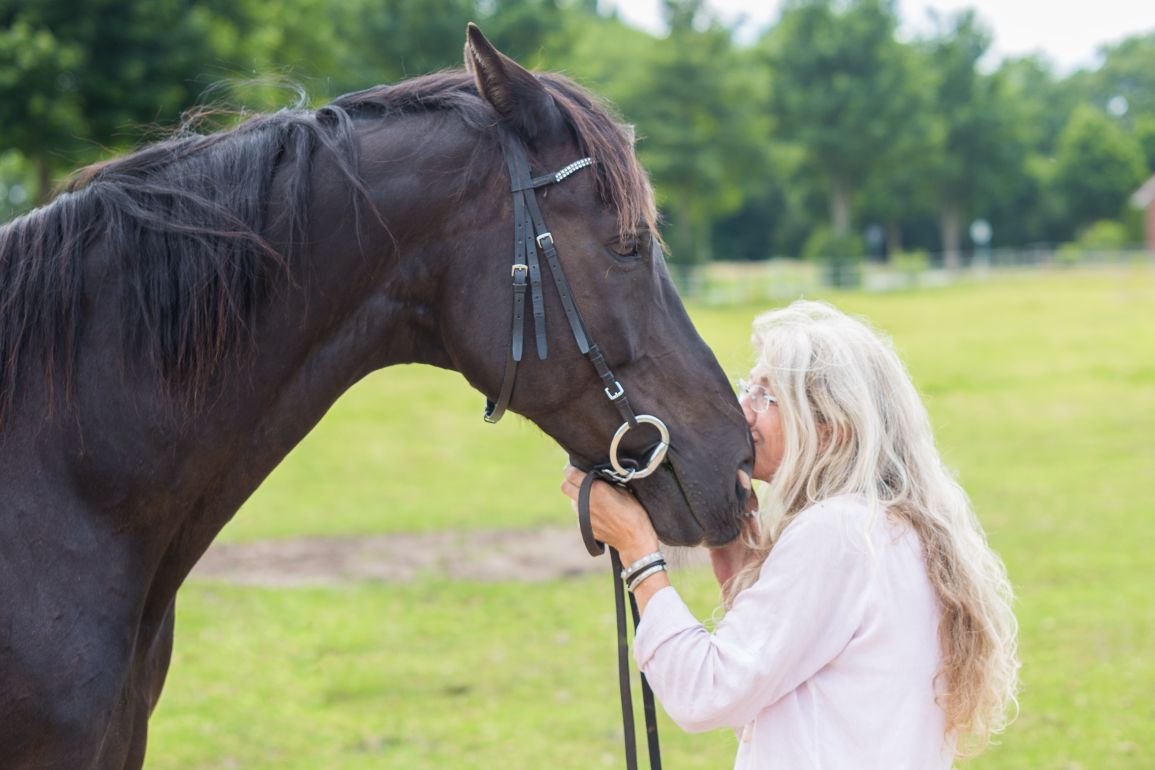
x=748, y=412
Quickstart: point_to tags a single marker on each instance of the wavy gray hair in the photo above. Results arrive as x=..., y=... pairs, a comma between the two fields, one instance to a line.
x=853, y=423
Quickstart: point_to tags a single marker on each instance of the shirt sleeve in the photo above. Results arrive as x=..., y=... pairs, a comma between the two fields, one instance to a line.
x=801, y=613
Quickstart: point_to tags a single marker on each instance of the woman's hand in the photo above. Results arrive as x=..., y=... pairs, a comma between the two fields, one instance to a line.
x=616, y=517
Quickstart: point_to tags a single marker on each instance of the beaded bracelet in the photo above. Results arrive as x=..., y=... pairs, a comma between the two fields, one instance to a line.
x=653, y=569
x=645, y=561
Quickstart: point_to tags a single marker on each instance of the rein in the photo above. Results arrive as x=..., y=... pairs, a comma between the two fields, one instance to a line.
x=597, y=548
x=530, y=237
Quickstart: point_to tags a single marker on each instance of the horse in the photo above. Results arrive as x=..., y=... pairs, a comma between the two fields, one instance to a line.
x=177, y=319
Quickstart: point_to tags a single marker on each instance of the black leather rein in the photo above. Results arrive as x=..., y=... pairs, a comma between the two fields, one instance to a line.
x=530, y=237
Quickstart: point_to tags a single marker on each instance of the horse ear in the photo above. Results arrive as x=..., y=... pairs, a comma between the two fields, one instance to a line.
x=514, y=92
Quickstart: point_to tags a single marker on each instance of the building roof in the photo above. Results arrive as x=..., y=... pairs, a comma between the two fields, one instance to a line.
x=1143, y=197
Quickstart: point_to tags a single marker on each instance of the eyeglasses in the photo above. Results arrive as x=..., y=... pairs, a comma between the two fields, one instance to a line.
x=754, y=394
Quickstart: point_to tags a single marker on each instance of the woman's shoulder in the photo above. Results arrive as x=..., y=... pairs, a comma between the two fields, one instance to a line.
x=847, y=520
x=836, y=511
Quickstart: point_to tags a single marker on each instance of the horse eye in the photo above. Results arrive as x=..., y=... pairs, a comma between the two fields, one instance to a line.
x=628, y=248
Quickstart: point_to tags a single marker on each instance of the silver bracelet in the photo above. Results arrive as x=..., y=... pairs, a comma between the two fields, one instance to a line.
x=648, y=559
x=645, y=573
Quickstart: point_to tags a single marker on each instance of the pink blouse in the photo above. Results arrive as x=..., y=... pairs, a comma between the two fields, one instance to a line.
x=827, y=661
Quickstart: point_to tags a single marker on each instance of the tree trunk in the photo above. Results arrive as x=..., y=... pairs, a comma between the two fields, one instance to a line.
x=684, y=257
x=840, y=195
x=704, y=240
x=951, y=223
x=43, y=179
x=893, y=239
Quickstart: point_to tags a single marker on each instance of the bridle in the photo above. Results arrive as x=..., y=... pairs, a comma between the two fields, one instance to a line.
x=530, y=237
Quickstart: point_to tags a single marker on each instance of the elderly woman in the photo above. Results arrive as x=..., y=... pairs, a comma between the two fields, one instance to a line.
x=868, y=624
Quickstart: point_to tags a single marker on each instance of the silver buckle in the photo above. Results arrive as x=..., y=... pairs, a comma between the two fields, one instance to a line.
x=546, y=234
x=523, y=268
x=615, y=396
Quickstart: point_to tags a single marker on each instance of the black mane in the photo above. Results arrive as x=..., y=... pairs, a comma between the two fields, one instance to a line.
x=182, y=224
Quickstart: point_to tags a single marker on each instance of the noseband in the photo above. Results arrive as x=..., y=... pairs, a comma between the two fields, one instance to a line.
x=530, y=237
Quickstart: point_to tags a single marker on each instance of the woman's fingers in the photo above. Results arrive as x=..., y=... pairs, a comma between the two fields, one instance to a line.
x=616, y=517
x=571, y=482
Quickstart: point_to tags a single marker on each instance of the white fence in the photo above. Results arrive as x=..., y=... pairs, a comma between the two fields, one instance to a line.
x=732, y=283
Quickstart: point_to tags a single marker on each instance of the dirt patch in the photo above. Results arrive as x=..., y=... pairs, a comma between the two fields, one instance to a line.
x=543, y=553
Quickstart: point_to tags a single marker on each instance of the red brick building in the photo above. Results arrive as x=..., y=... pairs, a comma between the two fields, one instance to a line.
x=1144, y=198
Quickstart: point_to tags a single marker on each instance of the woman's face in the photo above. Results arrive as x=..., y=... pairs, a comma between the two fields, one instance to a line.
x=765, y=427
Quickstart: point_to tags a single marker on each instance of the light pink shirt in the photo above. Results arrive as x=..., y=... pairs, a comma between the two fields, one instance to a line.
x=827, y=661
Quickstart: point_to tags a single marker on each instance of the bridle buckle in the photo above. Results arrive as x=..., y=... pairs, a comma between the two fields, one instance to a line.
x=546, y=234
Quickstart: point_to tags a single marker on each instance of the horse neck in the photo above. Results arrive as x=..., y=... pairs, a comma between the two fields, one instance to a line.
x=359, y=297
x=365, y=289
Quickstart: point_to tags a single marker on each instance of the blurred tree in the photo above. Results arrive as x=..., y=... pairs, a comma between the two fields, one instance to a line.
x=841, y=89
x=701, y=131
x=902, y=189
x=1124, y=86
x=1097, y=167
x=14, y=185
x=605, y=55
x=97, y=69
x=385, y=41
x=537, y=33
x=1145, y=135
x=299, y=40
x=780, y=209
x=1041, y=101
x=39, y=112
x=981, y=153
x=76, y=75
x=1024, y=210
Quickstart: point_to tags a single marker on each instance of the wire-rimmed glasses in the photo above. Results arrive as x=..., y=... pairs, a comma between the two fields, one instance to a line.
x=755, y=395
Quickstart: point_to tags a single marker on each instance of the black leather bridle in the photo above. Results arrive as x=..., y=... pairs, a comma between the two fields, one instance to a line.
x=530, y=237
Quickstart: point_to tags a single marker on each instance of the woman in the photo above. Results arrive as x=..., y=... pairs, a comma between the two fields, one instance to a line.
x=868, y=623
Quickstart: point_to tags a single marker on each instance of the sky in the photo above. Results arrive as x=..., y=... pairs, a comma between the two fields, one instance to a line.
x=1068, y=33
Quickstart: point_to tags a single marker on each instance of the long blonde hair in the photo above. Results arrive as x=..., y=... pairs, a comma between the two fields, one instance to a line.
x=853, y=423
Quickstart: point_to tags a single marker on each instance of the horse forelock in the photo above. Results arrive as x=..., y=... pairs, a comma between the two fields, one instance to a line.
x=622, y=182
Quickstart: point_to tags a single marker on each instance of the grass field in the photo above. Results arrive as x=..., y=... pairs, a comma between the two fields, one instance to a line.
x=1042, y=390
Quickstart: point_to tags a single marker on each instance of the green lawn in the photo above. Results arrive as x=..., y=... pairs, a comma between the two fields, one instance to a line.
x=1042, y=389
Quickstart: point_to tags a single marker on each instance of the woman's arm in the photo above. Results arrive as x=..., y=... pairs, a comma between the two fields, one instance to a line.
x=799, y=615
x=807, y=604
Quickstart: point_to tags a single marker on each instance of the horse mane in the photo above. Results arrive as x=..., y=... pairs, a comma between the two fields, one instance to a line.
x=182, y=223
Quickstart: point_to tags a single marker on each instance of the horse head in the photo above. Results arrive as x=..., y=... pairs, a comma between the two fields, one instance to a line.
x=601, y=219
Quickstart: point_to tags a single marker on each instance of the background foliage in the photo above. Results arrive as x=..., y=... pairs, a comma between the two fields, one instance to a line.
x=826, y=120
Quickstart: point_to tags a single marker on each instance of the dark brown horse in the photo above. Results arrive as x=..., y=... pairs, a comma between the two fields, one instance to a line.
x=177, y=321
